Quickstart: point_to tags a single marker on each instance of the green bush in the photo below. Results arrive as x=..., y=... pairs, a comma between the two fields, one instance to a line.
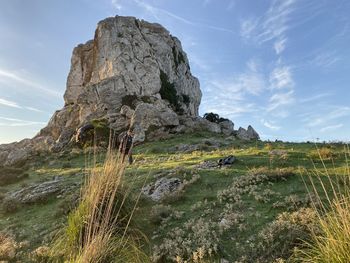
x=102, y=130
x=10, y=205
x=169, y=93
x=129, y=100
x=213, y=117
x=178, y=57
x=323, y=153
x=278, y=239
x=186, y=99
x=159, y=213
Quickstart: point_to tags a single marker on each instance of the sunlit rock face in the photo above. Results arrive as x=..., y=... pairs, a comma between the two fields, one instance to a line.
x=133, y=74
x=129, y=62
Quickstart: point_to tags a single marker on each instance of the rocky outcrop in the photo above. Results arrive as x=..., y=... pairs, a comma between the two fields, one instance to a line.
x=161, y=188
x=132, y=74
x=40, y=192
x=249, y=134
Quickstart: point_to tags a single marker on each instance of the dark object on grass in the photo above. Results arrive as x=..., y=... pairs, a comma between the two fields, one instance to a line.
x=227, y=160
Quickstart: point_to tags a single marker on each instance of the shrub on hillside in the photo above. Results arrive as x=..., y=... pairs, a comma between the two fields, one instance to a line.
x=129, y=100
x=169, y=93
x=213, y=117
x=9, y=175
x=323, y=153
x=10, y=205
x=280, y=237
x=195, y=237
x=8, y=248
x=159, y=213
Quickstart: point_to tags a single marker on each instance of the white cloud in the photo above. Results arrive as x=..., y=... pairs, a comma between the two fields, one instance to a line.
x=281, y=77
x=11, y=122
x=315, y=97
x=270, y=125
x=281, y=99
x=156, y=12
x=331, y=127
x=8, y=76
x=12, y=104
x=33, y=109
x=280, y=45
x=248, y=26
x=325, y=60
x=251, y=81
x=314, y=120
x=9, y=103
x=273, y=25
x=116, y=4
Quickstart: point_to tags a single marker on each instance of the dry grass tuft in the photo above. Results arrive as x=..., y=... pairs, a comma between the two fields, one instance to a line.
x=99, y=228
x=332, y=243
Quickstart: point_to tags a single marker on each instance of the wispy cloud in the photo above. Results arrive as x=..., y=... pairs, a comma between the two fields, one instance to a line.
x=11, y=122
x=248, y=26
x=251, y=81
x=231, y=96
x=9, y=103
x=9, y=76
x=280, y=45
x=270, y=125
x=281, y=78
x=332, y=127
x=272, y=26
x=33, y=109
x=281, y=99
x=325, y=60
x=315, y=97
x=13, y=104
x=116, y=4
x=156, y=12
x=314, y=120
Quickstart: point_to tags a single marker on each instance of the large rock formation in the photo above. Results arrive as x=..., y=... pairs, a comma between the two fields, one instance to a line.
x=129, y=62
x=132, y=74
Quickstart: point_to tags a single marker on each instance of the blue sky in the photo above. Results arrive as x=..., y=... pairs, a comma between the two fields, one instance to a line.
x=282, y=66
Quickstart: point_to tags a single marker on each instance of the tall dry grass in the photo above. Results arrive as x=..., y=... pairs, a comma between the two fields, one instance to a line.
x=98, y=229
x=330, y=243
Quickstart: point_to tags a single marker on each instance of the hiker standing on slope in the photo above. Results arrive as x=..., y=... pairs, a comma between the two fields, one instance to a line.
x=125, y=145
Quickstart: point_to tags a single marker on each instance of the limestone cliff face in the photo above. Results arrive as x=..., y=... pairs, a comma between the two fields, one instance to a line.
x=129, y=62
x=132, y=74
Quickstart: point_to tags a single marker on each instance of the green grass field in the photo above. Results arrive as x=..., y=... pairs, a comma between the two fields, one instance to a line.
x=227, y=213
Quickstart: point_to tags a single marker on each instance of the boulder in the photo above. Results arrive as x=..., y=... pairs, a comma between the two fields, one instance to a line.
x=148, y=117
x=161, y=188
x=39, y=192
x=252, y=133
x=227, y=127
x=249, y=134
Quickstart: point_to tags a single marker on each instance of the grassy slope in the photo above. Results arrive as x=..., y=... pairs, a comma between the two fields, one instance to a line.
x=34, y=223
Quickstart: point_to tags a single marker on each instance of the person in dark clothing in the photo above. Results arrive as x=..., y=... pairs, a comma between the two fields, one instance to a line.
x=125, y=146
